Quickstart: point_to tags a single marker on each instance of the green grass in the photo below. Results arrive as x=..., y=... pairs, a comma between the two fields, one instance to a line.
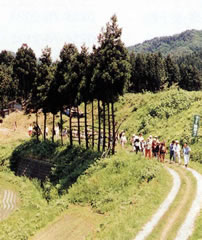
x=126, y=187
x=33, y=211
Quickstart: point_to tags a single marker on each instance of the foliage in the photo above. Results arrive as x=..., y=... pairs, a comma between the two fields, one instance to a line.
x=168, y=115
x=25, y=69
x=112, y=70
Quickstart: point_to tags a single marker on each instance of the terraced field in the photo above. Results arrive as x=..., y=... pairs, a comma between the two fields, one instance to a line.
x=8, y=201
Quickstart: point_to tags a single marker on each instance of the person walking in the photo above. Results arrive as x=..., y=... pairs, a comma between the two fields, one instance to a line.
x=148, y=148
x=162, y=151
x=172, y=156
x=123, y=140
x=177, y=150
x=137, y=144
x=186, y=153
x=30, y=129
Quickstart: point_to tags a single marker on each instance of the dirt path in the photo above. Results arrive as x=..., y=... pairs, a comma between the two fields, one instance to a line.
x=7, y=203
x=147, y=229
x=178, y=222
x=187, y=227
x=174, y=219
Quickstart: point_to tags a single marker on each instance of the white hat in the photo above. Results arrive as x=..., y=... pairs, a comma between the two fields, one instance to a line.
x=177, y=141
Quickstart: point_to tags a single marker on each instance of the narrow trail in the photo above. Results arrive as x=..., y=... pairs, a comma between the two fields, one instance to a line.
x=187, y=227
x=147, y=229
x=173, y=218
x=176, y=219
x=8, y=201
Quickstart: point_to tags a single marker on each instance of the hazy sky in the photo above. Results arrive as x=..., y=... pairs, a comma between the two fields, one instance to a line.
x=53, y=22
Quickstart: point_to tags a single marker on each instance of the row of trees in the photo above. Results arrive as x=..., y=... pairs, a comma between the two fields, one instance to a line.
x=82, y=77
x=78, y=77
x=153, y=72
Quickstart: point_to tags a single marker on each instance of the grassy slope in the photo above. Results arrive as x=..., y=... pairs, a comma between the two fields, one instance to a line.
x=120, y=187
x=147, y=113
x=169, y=124
x=129, y=191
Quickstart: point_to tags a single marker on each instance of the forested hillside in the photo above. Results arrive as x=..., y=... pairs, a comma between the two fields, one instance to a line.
x=181, y=44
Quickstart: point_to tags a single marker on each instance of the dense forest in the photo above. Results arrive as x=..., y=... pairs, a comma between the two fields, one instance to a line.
x=98, y=77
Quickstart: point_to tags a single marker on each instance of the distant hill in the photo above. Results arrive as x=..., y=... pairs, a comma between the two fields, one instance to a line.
x=181, y=44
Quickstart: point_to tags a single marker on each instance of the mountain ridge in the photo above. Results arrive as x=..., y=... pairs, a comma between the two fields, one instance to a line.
x=184, y=43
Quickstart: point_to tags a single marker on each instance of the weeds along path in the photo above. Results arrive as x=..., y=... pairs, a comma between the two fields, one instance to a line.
x=187, y=227
x=7, y=203
x=148, y=228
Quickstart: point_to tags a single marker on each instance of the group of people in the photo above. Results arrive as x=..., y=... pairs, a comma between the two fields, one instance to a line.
x=153, y=147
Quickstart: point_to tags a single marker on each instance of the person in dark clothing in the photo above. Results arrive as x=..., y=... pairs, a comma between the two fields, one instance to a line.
x=172, y=155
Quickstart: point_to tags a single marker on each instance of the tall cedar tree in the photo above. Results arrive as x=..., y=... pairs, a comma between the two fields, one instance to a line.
x=68, y=81
x=6, y=58
x=44, y=78
x=7, y=86
x=173, y=73
x=85, y=95
x=25, y=70
x=113, y=69
x=190, y=78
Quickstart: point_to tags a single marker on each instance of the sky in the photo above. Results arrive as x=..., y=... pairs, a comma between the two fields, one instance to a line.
x=41, y=23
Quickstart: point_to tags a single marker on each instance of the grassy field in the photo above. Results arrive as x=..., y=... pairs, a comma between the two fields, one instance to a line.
x=119, y=193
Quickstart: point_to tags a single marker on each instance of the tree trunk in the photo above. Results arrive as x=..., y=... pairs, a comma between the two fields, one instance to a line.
x=37, y=128
x=93, y=133
x=53, y=130
x=86, y=125
x=70, y=126
x=78, y=118
x=113, y=129
x=109, y=126
x=61, y=127
x=99, y=126
x=104, y=128
x=44, y=130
